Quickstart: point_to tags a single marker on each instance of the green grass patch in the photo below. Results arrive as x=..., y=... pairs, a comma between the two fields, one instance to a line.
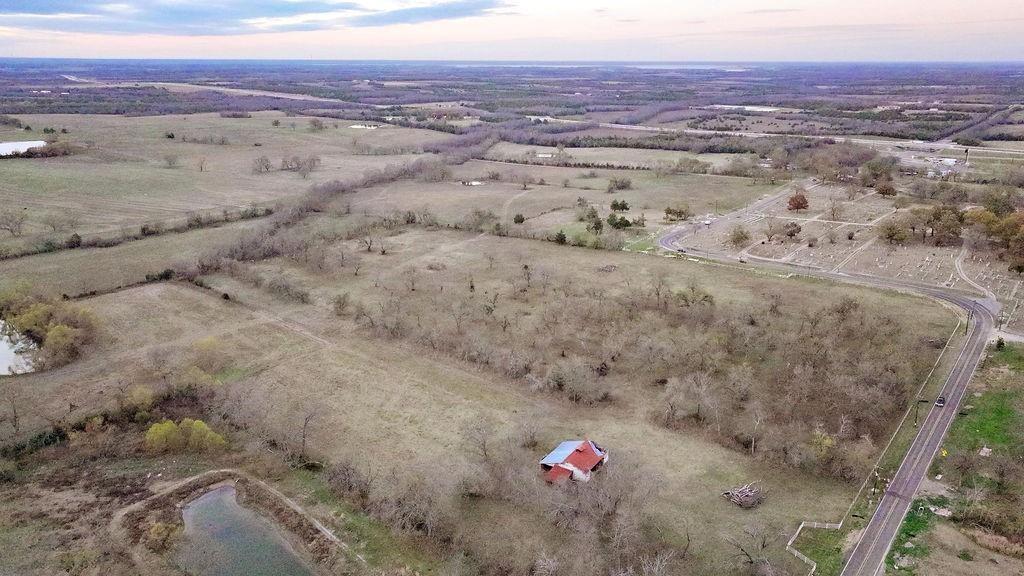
x=374, y=541
x=642, y=245
x=918, y=521
x=1011, y=356
x=994, y=422
x=232, y=374
x=824, y=547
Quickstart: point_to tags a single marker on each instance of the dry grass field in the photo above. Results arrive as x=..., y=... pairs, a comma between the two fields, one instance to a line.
x=74, y=272
x=128, y=172
x=318, y=337
x=385, y=401
x=627, y=157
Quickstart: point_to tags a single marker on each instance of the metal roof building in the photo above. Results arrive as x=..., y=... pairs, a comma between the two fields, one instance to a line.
x=573, y=459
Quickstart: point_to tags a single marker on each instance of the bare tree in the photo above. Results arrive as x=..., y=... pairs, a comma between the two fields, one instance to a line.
x=13, y=418
x=835, y=209
x=59, y=221
x=772, y=227
x=171, y=160
x=752, y=547
x=13, y=220
x=409, y=277
x=262, y=165
x=307, y=421
x=201, y=164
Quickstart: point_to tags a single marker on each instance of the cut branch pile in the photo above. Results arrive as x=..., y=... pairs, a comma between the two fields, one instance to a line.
x=746, y=496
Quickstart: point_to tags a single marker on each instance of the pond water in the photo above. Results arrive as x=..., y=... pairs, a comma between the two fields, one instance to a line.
x=13, y=359
x=19, y=147
x=223, y=538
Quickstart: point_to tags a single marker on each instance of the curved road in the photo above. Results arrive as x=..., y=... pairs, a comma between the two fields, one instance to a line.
x=868, y=557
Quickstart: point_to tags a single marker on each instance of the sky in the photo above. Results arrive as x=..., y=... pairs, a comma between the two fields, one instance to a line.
x=631, y=30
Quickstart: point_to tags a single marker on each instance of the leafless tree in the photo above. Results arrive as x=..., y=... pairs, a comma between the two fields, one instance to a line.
x=262, y=165
x=752, y=547
x=409, y=277
x=59, y=221
x=171, y=160
x=772, y=227
x=12, y=416
x=310, y=415
x=13, y=220
x=835, y=209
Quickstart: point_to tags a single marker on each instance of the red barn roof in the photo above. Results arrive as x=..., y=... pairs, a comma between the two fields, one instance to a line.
x=574, y=459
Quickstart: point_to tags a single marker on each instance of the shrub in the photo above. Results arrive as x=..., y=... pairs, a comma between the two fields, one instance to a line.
x=209, y=355
x=161, y=536
x=885, y=188
x=616, y=184
x=194, y=379
x=678, y=212
x=63, y=344
x=739, y=236
x=340, y=303
x=192, y=436
x=518, y=219
x=798, y=201
x=967, y=141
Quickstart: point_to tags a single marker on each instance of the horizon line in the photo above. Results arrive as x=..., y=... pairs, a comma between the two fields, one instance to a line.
x=506, y=60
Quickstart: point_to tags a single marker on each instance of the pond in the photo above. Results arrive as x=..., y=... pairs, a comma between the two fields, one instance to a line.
x=13, y=352
x=223, y=538
x=7, y=148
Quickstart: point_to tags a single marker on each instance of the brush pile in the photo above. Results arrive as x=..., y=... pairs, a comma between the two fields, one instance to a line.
x=746, y=496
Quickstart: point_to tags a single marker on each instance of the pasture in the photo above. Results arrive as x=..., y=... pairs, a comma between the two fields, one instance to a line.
x=391, y=338
x=129, y=171
x=389, y=400
x=624, y=157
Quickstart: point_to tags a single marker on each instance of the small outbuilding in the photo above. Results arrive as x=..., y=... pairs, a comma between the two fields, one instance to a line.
x=573, y=460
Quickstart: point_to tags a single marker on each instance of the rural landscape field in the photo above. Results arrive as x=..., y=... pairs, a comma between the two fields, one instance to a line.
x=393, y=317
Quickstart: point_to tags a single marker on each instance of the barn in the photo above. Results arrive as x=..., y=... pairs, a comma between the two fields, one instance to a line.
x=573, y=459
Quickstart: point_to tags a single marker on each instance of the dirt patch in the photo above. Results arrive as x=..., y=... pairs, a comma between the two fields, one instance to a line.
x=953, y=553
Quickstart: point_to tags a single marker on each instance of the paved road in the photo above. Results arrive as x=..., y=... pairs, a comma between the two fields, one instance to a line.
x=868, y=557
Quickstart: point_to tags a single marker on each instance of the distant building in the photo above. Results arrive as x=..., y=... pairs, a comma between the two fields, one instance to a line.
x=573, y=459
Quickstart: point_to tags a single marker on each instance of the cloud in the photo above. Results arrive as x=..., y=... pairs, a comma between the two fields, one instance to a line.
x=220, y=17
x=773, y=11
x=813, y=31
x=429, y=13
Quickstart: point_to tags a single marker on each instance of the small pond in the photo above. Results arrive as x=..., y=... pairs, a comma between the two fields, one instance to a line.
x=7, y=148
x=13, y=348
x=224, y=538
